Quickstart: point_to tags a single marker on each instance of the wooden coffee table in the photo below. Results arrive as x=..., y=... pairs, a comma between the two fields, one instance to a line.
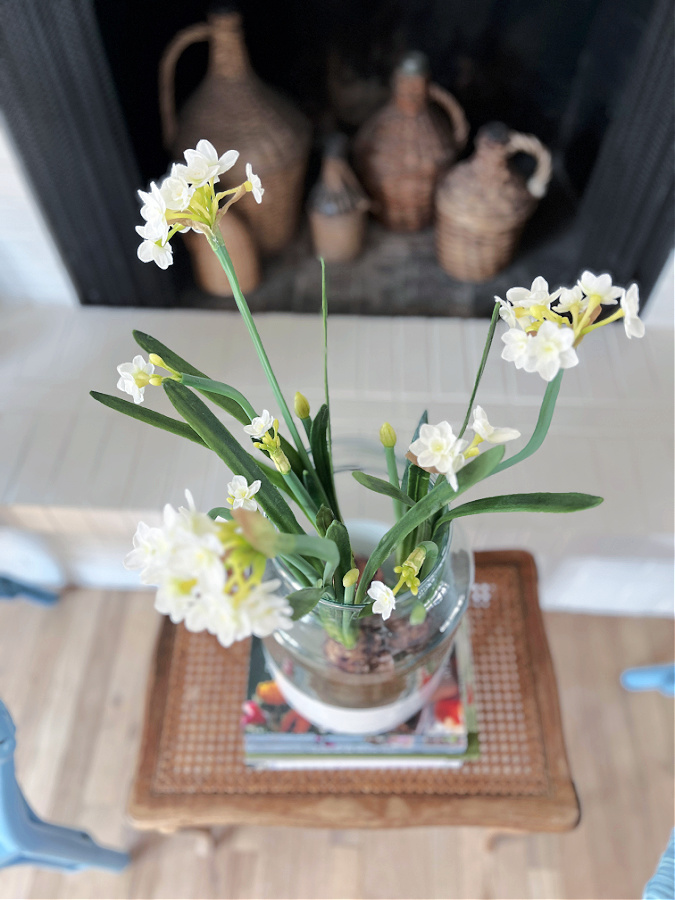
x=191, y=771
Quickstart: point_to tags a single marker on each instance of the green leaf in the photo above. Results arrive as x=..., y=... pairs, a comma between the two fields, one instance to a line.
x=536, y=502
x=209, y=386
x=321, y=548
x=424, y=419
x=340, y=537
x=380, y=486
x=437, y=497
x=313, y=488
x=152, y=345
x=481, y=368
x=321, y=457
x=149, y=416
x=176, y=362
x=543, y=424
x=216, y=436
x=323, y=519
x=304, y=601
x=221, y=511
x=430, y=559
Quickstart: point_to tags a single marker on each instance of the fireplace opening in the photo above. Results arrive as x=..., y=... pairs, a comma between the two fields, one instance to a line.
x=592, y=80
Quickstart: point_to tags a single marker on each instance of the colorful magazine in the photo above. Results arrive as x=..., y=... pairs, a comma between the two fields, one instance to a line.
x=441, y=735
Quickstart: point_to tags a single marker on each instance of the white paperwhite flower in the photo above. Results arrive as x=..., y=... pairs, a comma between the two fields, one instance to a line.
x=154, y=207
x=506, y=313
x=152, y=548
x=175, y=190
x=261, y=612
x=630, y=304
x=567, y=297
x=438, y=448
x=256, y=186
x=490, y=433
x=241, y=495
x=384, y=597
x=538, y=294
x=264, y=611
x=151, y=251
x=135, y=377
x=153, y=231
x=551, y=350
x=517, y=349
x=260, y=425
x=599, y=288
x=203, y=164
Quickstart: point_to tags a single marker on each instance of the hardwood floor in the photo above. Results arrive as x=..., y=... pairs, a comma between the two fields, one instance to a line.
x=74, y=679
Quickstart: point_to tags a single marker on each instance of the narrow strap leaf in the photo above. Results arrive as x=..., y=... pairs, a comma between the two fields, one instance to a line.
x=536, y=502
x=380, y=486
x=543, y=424
x=149, y=416
x=321, y=456
x=430, y=559
x=440, y=494
x=152, y=345
x=424, y=419
x=481, y=368
x=209, y=386
x=338, y=533
x=323, y=519
x=304, y=601
x=216, y=436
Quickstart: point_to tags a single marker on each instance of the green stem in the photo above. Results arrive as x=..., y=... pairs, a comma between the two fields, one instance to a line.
x=218, y=246
x=392, y=472
x=302, y=567
x=481, y=368
x=307, y=505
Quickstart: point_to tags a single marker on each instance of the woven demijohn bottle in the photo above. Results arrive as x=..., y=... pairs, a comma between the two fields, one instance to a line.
x=482, y=205
x=401, y=151
x=337, y=206
x=233, y=109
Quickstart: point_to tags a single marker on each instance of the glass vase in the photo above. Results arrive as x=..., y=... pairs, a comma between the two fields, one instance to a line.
x=367, y=675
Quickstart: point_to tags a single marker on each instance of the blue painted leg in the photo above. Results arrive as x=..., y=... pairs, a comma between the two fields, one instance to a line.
x=24, y=838
x=650, y=678
x=10, y=588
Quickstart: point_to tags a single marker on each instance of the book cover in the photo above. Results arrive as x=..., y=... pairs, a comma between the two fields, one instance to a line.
x=275, y=735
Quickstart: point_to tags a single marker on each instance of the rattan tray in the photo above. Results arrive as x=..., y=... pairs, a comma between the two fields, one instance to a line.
x=191, y=769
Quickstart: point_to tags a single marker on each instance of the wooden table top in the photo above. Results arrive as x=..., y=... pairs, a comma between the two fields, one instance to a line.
x=191, y=770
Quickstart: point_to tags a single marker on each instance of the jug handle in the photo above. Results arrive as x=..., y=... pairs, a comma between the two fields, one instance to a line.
x=167, y=70
x=447, y=102
x=537, y=184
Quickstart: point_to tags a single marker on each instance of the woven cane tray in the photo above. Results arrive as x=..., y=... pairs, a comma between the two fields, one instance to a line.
x=191, y=770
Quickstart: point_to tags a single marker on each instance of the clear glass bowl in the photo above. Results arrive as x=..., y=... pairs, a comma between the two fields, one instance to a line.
x=382, y=672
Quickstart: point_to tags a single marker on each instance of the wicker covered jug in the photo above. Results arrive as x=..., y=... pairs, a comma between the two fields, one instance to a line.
x=233, y=109
x=337, y=206
x=482, y=205
x=403, y=148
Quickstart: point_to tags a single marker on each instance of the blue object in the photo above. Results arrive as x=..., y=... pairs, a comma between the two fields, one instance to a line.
x=10, y=588
x=650, y=678
x=26, y=839
x=661, y=886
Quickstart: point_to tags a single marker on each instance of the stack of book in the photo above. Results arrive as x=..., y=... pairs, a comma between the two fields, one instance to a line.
x=442, y=735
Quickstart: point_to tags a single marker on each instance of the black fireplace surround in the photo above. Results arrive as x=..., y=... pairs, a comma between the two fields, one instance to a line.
x=592, y=78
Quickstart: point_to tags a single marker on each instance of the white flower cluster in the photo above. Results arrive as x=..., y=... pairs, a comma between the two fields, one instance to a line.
x=192, y=563
x=438, y=450
x=178, y=205
x=542, y=339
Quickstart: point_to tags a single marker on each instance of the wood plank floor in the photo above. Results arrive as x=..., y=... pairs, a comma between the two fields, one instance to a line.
x=74, y=678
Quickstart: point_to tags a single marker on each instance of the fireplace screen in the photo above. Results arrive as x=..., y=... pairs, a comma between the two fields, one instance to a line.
x=434, y=152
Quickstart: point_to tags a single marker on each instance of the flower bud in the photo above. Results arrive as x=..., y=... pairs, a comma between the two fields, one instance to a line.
x=387, y=435
x=301, y=405
x=350, y=578
x=280, y=460
x=157, y=360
